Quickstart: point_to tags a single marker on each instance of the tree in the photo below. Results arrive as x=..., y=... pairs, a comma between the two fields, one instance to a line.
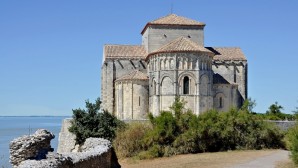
x=274, y=112
x=93, y=123
x=275, y=109
x=249, y=105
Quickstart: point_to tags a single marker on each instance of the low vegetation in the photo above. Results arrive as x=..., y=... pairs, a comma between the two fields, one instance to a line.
x=179, y=131
x=93, y=123
x=292, y=143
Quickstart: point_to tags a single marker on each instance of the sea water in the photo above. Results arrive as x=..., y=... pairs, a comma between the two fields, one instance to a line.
x=13, y=127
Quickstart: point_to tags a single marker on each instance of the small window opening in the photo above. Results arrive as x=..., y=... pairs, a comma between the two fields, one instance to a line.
x=165, y=36
x=188, y=36
x=235, y=76
x=139, y=101
x=220, y=102
x=186, y=85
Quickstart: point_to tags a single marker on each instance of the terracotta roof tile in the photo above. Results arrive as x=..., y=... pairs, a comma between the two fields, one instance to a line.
x=134, y=75
x=124, y=52
x=173, y=19
x=227, y=53
x=181, y=44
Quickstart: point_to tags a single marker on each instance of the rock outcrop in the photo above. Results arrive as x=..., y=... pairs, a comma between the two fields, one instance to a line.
x=35, y=147
x=94, y=153
x=35, y=151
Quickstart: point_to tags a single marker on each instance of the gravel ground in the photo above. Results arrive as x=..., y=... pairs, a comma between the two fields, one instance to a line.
x=230, y=159
x=268, y=161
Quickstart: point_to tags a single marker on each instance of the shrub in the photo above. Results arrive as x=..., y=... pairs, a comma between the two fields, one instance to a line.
x=129, y=141
x=179, y=131
x=292, y=139
x=164, y=130
x=92, y=123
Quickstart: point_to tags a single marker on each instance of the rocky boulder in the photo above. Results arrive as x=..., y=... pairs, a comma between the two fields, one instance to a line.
x=35, y=147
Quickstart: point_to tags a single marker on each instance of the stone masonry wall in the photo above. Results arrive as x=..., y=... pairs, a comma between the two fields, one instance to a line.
x=66, y=139
x=155, y=37
x=233, y=72
x=112, y=70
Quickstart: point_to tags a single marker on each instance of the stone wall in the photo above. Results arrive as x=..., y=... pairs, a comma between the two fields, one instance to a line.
x=155, y=37
x=235, y=72
x=66, y=139
x=166, y=80
x=112, y=70
x=131, y=99
x=226, y=96
x=284, y=125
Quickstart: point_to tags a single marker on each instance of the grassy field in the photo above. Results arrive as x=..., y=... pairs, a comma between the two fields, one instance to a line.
x=204, y=160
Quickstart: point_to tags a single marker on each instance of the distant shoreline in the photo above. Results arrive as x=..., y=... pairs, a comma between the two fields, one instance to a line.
x=36, y=116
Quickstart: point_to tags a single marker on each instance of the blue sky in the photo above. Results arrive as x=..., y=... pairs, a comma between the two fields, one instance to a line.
x=51, y=51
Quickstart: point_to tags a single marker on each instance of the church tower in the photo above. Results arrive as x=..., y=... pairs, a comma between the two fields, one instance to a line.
x=178, y=64
x=166, y=29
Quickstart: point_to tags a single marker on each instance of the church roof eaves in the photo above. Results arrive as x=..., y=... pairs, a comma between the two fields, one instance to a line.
x=124, y=52
x=173, y=19
x=134, y=75
x=227, y=54
x=181, y=44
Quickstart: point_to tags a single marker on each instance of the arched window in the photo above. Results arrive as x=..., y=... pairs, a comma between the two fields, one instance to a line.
x=186, y=85
x=220, y=102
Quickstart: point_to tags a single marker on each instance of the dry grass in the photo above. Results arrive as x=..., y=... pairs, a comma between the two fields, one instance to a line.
x=202, y=160
x=285, y=164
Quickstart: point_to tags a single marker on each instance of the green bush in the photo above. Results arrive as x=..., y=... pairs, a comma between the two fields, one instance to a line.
x=179, y=131
x=292, y=139
x=92, y=123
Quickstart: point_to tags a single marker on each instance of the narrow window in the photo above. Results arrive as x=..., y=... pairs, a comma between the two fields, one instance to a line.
x=186, y=85
x=154, y=88
x=220, y=102
x=139, y=101
x=235, y=77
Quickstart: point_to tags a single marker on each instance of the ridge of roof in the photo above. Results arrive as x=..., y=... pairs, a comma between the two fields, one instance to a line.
x=173, y=19
x=134, y=75
x=227, y=53
x=114, y=51
x=181, y=44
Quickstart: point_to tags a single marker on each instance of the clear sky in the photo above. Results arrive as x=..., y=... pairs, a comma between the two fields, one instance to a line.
x=51, y=50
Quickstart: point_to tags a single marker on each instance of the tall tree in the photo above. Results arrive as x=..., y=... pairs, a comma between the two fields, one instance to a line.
x=275, y=109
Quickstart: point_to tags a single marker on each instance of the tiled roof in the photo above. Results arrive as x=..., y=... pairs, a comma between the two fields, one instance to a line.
x=181, y=44
x=227, y=53
x=124, y=52
x=173, y=19
x=176, y=20
x=134, y=75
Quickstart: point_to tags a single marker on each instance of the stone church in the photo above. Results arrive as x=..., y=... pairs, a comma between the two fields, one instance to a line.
x=171, y=61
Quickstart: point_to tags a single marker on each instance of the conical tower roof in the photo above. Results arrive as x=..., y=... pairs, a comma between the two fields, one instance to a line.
x=181, y=44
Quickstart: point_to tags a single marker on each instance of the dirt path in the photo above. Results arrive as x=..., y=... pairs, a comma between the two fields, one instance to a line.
x=233, y=159
x=268, y=161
